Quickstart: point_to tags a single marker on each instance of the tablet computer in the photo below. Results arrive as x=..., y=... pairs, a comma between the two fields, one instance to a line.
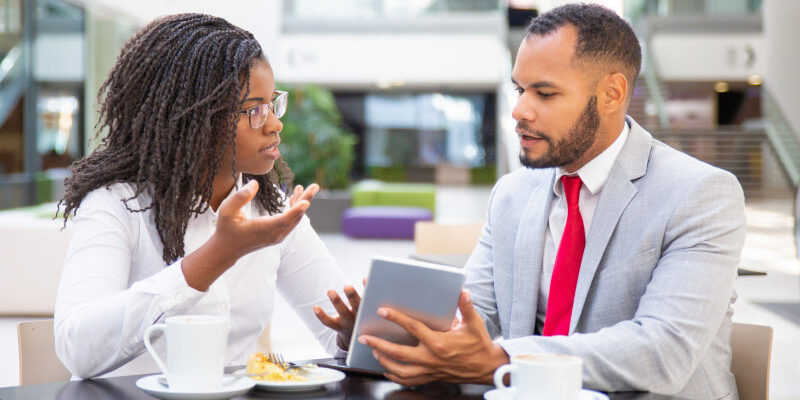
x=424, y=291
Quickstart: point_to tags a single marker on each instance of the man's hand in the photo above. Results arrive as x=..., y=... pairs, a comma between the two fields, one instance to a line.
x=465, y=353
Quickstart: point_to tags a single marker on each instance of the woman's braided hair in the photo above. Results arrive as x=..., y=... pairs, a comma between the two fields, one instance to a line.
x=170, y=106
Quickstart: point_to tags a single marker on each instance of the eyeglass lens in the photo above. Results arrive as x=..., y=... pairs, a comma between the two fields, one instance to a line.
x=259, y=115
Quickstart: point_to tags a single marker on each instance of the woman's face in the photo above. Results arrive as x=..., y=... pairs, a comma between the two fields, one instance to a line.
x=257, y=149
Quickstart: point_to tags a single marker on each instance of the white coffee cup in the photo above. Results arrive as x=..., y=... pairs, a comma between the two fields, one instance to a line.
x=542, y=377
x=195, y=351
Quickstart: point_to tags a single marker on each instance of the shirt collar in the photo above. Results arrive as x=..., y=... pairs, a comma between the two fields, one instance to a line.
x=236, y=187
x=595, y=172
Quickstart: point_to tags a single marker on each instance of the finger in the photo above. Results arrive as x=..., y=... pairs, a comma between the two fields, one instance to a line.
x=298, y=190
x=352, y=297
x=364, y=281
x=342, y=308
x=412, y=326
x=327, y=320
x=404, y=372
x=310, y=192
x=399, y=352
x=233, y=204
x=469, y=316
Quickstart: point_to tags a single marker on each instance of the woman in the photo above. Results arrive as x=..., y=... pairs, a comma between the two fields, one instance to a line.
x=164, y=223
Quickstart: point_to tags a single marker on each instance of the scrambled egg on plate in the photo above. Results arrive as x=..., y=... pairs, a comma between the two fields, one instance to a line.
x=259, y=364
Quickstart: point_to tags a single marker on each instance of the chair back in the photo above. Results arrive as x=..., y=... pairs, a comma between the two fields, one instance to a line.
x=433, y=238
x=751, y=346
x=38, y=362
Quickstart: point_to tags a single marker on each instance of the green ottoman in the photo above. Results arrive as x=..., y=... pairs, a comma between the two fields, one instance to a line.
x=377, y=193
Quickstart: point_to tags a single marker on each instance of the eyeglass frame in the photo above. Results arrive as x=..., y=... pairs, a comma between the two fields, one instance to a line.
x=270, y=106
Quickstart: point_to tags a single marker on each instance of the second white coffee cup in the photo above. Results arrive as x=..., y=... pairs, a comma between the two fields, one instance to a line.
x=195, y=351
x=542, y=377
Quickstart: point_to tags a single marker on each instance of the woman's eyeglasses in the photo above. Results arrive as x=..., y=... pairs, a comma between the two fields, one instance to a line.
x=259, y=114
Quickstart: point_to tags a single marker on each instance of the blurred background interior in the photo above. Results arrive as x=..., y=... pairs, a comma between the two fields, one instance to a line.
x=414, y=96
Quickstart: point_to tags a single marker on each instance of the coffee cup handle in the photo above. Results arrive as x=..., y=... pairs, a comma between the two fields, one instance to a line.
x=499, y=374
x=149, y=346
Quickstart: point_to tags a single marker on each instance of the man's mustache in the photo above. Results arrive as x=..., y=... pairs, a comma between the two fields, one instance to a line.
x=523, y=129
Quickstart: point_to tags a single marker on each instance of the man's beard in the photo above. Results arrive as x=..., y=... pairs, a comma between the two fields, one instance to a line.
x=580, y=137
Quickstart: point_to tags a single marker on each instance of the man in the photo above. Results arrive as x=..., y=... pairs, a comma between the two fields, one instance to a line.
x=610, y=245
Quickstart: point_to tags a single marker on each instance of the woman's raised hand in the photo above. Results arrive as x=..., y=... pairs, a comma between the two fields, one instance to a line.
x=237, y=235
x=242, y=235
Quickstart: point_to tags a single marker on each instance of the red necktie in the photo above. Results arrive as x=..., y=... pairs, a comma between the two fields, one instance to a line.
x=567, y=265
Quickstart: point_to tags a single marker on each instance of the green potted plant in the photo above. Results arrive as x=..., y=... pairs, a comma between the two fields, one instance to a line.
x=319, y=149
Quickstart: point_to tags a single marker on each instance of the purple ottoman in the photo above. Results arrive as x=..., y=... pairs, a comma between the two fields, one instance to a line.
x=383, y=222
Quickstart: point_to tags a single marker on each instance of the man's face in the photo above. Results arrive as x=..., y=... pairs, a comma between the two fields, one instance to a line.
x=556, y=112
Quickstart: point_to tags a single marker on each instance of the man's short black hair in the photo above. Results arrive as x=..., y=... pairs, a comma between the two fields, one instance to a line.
x=604, y=38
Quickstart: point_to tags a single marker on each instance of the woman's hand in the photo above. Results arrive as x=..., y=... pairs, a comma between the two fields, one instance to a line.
x=236, y=235
x=342, y=323
x=242, y=235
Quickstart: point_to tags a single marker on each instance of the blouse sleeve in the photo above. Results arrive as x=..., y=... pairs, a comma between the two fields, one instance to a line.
x=307, y=272
x=99, y=320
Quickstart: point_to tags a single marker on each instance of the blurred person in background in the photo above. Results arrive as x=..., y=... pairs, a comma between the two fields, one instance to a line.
x=609, y=245
x=181, y=209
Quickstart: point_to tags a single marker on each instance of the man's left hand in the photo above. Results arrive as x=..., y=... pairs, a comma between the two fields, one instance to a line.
x=463, y=354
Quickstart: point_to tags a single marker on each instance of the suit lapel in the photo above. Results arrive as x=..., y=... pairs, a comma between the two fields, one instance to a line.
x=617, y=192
x=528, y=248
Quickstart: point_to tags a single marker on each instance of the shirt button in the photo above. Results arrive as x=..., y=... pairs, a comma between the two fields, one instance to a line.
x=179, y=296
x=223, y=307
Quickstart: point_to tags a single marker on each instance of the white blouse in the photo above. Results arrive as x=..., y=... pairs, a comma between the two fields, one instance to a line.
x=115, y=284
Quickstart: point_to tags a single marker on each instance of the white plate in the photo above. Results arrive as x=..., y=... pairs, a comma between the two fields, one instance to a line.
x=317, y=377
x=151, y=386
x=586, y=394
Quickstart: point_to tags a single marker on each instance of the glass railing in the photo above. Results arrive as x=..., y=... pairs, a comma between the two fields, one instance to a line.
x=667, y=8
x=783, y=139
x=384, y=9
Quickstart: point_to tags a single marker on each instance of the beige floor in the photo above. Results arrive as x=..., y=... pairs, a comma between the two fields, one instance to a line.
x=769, y=247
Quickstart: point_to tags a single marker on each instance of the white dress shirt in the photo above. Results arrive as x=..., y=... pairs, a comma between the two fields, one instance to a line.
x=115, y=284
x=593, y=175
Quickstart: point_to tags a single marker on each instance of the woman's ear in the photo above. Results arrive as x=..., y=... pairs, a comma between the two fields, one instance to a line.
x=612, y=93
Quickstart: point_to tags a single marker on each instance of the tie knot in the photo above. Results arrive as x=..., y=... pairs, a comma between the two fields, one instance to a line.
x=572, y=189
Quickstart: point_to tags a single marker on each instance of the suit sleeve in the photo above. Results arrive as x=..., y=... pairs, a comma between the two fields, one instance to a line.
x=683, y=305
x=480, y=275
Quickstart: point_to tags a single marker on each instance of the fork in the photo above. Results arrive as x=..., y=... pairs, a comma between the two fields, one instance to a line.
x=277, y=358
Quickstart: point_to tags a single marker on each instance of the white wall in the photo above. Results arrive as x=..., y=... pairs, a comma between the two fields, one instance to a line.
x=781, y=32
x=262, y=18
x=708, y=56
x=348, y=60
x=59, y=57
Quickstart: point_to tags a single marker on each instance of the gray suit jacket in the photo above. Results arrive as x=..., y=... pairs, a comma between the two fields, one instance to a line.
x=654, y=297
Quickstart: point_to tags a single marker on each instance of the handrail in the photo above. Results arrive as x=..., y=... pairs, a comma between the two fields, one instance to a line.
x=10, y=60
x=780, y=135
x=653, y=88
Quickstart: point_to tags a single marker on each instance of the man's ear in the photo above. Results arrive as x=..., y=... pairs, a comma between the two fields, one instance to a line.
x=612, y=93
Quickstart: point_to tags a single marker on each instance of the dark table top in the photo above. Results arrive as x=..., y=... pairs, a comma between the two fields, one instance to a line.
x=355, y=386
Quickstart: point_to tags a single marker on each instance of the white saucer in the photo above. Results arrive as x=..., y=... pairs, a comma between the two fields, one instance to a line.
x=586, y=394
x=317, y=377
x=151, y=386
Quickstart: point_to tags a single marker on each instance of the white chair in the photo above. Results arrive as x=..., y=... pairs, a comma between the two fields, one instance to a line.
x=433, y=238
x=38, y=362
x=752, y=347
